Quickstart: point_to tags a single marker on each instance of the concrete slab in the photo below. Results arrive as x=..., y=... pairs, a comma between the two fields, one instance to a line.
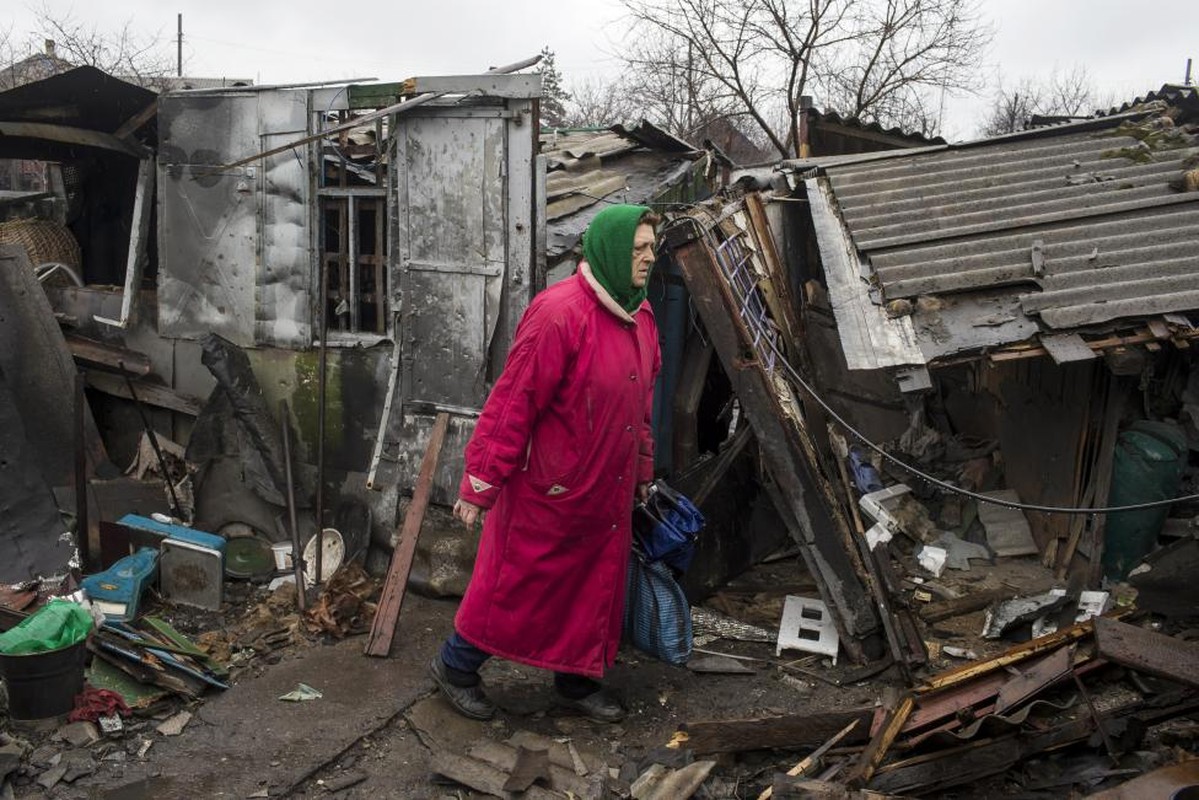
x=245, y=740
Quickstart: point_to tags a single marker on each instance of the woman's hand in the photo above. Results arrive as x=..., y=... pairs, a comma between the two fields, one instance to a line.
x=642, y=492
x=469, y=513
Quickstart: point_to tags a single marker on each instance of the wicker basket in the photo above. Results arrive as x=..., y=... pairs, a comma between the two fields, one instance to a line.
x=44, y=241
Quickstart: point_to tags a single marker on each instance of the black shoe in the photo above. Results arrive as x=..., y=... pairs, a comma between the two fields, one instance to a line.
x=469, y=701
x=599, y=706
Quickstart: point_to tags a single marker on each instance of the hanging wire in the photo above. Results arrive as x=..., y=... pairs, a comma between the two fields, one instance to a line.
x=762, y=330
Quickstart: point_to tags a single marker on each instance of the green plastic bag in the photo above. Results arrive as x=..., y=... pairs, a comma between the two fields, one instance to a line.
x=58, y=624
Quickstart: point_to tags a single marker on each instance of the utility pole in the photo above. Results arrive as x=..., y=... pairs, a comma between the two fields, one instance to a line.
x=179, y=49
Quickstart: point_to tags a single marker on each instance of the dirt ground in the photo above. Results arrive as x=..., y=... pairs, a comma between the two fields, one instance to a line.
x=380, y=725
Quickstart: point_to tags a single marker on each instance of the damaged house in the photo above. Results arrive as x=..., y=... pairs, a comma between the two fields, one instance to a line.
x=224, y=250
x=893, y=356
x=1002, y=328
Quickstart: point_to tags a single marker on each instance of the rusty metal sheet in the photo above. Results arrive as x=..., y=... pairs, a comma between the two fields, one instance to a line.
x=1147, y=651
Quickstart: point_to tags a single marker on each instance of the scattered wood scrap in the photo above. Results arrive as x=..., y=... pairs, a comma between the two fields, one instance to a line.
x=975, y=601
x=662, y=783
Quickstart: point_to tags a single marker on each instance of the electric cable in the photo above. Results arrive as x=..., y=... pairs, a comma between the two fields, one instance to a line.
x=793, y=377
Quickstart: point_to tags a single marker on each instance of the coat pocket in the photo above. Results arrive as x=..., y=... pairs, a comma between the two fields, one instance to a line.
x=554, y=465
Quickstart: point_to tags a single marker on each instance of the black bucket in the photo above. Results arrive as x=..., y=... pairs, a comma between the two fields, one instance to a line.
x=42, y=685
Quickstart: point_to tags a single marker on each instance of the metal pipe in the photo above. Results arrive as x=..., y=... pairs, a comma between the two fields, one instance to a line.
x=321, y=365
x=398, y=108
x=176, y=508
x=297, y=552
x=82, y=534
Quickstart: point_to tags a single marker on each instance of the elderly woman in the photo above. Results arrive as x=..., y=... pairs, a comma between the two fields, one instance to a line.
x=561, y=449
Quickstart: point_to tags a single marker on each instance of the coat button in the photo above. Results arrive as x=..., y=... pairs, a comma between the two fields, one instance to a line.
x=628, y=428
x=613, y=526
x=633, y=376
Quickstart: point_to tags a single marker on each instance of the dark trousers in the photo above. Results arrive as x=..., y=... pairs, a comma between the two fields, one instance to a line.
x=462, y=660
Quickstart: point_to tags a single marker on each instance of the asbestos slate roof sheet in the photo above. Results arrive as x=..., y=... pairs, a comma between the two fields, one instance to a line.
x=1084, y=220
x=585, y=169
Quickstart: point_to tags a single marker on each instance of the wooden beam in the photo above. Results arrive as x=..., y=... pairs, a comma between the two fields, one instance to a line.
x=803, y=494
x=131, y=125
x=149, y=393
x=111, y=356
x=789, y=731
x=1013, y=655
x=69, y=135
x=378, y=644
x=876, y=751
x=1098, y=345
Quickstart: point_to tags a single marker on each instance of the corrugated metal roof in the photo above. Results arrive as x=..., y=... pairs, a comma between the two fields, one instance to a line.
x=1086, y=219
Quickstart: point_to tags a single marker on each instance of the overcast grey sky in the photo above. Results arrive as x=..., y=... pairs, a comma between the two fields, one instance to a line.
x=1129, y=48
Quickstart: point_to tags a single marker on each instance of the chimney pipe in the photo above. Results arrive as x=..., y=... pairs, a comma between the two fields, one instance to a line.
x=50, y=48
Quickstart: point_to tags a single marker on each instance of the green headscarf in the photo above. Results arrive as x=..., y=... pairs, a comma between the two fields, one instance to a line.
x=608, y=249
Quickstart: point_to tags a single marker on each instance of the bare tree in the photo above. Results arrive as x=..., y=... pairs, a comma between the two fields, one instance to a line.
x=596, y=103
x=125, y=51
x=1065, y=93
x=752, y=60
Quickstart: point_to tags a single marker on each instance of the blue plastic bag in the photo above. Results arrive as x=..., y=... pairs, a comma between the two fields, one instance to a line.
x=666, y=527
x=657, y=616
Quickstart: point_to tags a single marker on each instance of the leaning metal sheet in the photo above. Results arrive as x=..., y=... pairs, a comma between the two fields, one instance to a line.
x=207, y=219
x=870, y=339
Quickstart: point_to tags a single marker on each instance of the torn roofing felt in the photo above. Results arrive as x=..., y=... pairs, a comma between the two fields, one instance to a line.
x=1054, y=229
x=52, y=119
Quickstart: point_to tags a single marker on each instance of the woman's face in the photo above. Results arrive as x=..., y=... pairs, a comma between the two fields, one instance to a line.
x=643, y=254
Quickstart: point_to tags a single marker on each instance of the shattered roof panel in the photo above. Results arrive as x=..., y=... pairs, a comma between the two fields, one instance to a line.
x=1088, y=221
x=586, y=168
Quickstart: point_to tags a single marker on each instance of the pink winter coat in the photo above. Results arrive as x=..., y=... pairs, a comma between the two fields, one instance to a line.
x=562, y=442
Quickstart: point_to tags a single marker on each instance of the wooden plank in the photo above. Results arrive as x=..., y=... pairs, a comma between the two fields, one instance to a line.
x=1147, y=651
x=804, y=495
x=122, y=359
x=1117, y=396
x=881, y=742
x=776, y=289
x=1012, y=655
x=149, y=393
x=803, y=766
x=388, y=613
x=139, y=119
x=789, y=731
